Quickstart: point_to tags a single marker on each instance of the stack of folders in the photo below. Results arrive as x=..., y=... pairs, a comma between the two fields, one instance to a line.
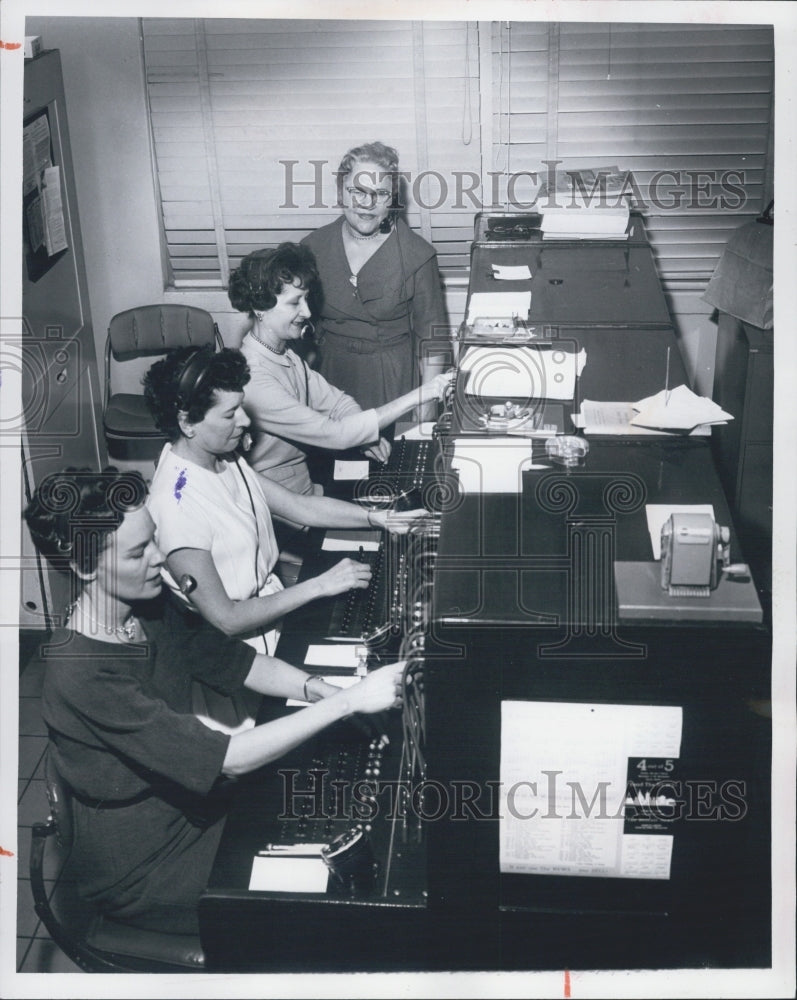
x=588, y=204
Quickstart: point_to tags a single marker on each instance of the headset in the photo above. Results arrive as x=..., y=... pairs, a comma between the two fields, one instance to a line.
x=192, y=375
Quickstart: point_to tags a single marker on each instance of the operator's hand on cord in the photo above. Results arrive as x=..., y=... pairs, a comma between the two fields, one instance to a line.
x=345, y=575
x=379, y=452
x=437, y=386
x=398, y=522
x=380, y=690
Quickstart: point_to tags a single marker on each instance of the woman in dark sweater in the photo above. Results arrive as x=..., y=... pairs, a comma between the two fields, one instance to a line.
x=148, y=777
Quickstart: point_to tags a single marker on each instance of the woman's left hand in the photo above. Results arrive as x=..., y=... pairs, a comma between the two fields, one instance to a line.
x=398, y=522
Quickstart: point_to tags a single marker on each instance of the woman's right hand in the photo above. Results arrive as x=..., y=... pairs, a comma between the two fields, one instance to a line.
x=437, y=387
x=345, y=575
x=380, y=690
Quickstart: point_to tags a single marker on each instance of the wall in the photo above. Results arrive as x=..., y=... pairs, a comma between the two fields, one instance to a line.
x=105, y=92
x=697, y=334
x=104, y=86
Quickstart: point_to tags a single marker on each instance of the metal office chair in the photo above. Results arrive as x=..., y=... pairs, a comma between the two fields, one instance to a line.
x=141, y=332
x=92, y=942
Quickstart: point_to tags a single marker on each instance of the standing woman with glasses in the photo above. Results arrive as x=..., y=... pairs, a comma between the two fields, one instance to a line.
x=382, y=294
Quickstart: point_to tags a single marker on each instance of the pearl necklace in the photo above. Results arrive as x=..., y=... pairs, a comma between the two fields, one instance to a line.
x=268, y=347
x=127, y=631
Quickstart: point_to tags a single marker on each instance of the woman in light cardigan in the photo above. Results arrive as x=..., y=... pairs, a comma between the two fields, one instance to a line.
x=291, y=406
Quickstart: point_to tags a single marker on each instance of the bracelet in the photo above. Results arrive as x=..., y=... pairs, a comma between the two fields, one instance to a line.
x=370, y=521
x=307, y=680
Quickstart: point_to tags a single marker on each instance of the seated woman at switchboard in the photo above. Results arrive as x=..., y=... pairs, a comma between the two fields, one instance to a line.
x=213, y=514
x=292, y=407
x=148, y=778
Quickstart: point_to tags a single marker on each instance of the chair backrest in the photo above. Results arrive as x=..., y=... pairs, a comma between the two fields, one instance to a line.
x=157, y=329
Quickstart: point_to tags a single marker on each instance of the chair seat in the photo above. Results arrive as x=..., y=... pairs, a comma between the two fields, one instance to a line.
x=181, y=950
x=128, y=416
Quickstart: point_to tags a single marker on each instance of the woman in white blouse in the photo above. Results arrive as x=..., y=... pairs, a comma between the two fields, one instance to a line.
x=212, y=513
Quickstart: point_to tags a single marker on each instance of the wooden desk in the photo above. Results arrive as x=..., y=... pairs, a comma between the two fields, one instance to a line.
x=578, y=285
x=513, y=617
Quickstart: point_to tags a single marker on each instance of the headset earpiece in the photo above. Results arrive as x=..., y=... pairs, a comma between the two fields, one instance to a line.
x=191, y=377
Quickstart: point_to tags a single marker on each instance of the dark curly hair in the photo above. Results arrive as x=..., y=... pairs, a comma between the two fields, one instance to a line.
x=261, y=276
x=226, y=370
x=74, y=512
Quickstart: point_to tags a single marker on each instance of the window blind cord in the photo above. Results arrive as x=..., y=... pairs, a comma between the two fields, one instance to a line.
x=609, y=62
x=508, y=111
x=467, y=119
x=500, y=152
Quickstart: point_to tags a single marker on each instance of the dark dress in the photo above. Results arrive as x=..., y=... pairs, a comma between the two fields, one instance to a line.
x=149, y=797
x=371, y=337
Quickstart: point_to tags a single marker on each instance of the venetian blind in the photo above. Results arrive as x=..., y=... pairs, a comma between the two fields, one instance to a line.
x=686, y=108
x=251, y=117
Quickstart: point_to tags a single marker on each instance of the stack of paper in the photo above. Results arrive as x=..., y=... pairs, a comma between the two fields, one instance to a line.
x=599, y=417
x=577, y=222
x=678, y=409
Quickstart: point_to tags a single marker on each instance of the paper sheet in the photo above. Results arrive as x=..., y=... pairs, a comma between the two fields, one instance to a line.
x=53, y=210
x=678, y=409
x=489, y=304
x=35, y=153
x=509, y=272
x=492, y=465
x=657, y=514
x=288, y=875
x=571, y=775
x=339, y=655
x=598, y=417
x=345, y=470
x=525, y=372
x=346, y=540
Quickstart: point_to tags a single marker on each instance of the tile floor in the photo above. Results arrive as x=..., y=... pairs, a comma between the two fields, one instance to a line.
x=36, y=952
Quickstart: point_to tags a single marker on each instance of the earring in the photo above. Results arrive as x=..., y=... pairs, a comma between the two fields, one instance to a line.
x=259, y=316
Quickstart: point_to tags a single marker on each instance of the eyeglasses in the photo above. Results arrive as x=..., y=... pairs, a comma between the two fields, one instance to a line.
x=380, y=196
